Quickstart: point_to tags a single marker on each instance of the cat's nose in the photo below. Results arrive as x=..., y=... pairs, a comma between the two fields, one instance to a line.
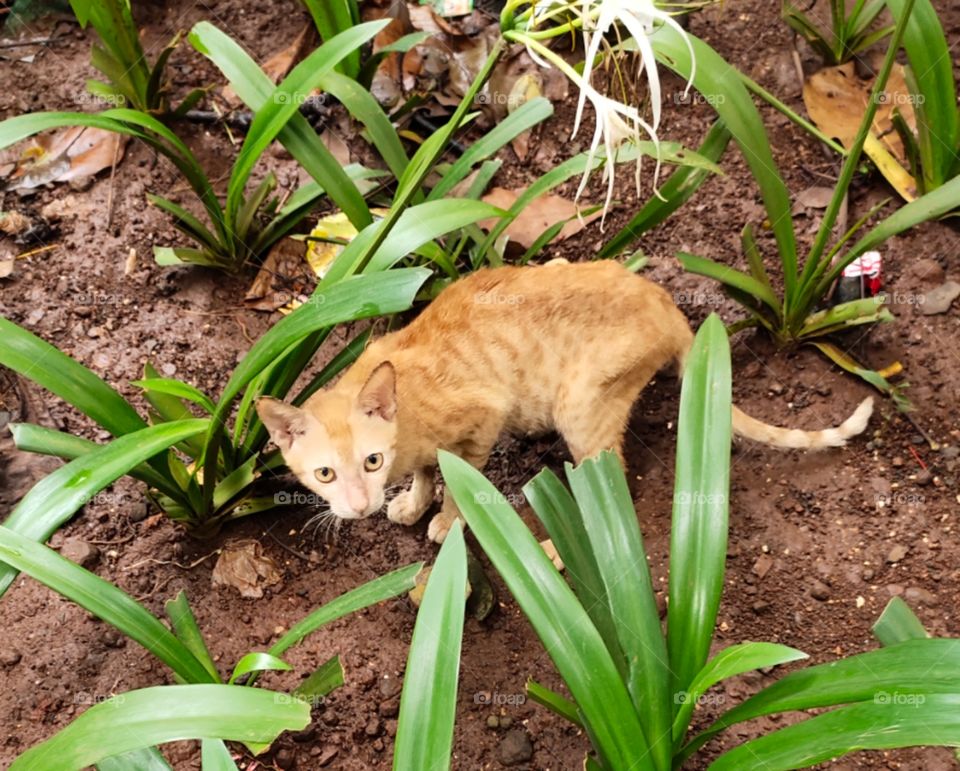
x=358, y=501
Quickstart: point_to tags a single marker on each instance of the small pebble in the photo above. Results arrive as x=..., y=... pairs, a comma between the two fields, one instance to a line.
x=493, y=721
x=515, y=748
x=820, y=591
x=897, y=553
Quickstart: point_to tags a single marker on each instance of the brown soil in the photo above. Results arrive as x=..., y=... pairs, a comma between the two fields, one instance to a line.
x=796, y=519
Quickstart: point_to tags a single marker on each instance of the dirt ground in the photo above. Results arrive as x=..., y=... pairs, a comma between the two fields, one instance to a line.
x=818, y=543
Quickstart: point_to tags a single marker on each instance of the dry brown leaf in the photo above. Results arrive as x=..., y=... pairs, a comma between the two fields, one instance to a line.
x=338, y=148
x=816, y=197
x=73, y=153
x=244, y=566
x=541, y=213
x=836, y=101
x=281, y=277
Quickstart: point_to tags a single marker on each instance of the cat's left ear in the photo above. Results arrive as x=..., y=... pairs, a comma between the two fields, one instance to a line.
x=379, y=394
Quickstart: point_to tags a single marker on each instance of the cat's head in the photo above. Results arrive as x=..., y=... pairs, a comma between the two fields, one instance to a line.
x=341, y=446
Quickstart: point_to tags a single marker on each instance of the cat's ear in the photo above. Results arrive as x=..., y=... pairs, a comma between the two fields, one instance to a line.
x=284, y=422
x=379, y=394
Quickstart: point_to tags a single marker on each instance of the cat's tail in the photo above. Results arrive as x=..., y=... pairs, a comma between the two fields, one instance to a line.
x=795, y=438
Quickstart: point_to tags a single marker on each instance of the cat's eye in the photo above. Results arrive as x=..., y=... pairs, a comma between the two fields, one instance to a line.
x=325, y=474
x=373, y=462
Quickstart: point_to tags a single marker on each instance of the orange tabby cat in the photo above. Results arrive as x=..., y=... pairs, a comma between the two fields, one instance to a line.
x=565, y=347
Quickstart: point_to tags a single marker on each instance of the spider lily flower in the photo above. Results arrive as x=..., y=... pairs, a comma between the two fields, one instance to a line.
x=616, y=122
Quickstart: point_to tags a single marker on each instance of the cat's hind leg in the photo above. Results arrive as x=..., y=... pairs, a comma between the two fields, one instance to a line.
x=410, y=505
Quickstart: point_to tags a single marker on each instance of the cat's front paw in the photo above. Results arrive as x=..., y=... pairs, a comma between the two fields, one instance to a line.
x=439, y=527
x=403, y=509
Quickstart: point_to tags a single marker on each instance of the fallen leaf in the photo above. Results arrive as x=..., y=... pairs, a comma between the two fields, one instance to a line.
x=281, y=277
x=836, y=100
x=244, y=566
x=328, y=238
x=338, y=148
x=816, y=197
x=541, y=213
x=71, y=154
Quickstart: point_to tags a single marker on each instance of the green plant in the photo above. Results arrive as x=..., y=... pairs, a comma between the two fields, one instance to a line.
x=934, y=151
x=633, y=688
x=429, y=698
x=331, y=17
x=794, y=317
x=204, y=705
x=131, y=79
x=206, y=477
x=850, y=32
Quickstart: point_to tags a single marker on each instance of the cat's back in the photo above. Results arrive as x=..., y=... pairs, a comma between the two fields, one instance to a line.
x=600, y=293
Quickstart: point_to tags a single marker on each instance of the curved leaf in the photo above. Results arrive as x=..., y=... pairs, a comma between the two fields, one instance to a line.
x=698, y=539
x=45, y=365
x=428, y=702
x=167, y=713
x=104, y=600
x=56, y=497
x=561, y=623
x=890, y=721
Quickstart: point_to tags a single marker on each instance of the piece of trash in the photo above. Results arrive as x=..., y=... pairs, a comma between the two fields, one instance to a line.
x=244, y=566
x=861, y=278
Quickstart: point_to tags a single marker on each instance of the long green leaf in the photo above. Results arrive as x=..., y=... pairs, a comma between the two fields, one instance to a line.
x=46, y=366
x=370, y=593
x=926, y=666
x=56, y=497
x=254, y=87
x=415, y=227
x=332, y=17
x=559, y=513
x=32, y=438
x=214, y=756
x=362, y=106
x=523, y=118
x=905, y=720
x=720, y=83
x=731, y=277
x=187, y=630
x=163, y=714
x=277, y=111
x=731, y=661
x=104, y=600
x=610, y=520
x=561, y=623
x=698, y=540
x=931, y=66
x=676, y=191
x=429, y=700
